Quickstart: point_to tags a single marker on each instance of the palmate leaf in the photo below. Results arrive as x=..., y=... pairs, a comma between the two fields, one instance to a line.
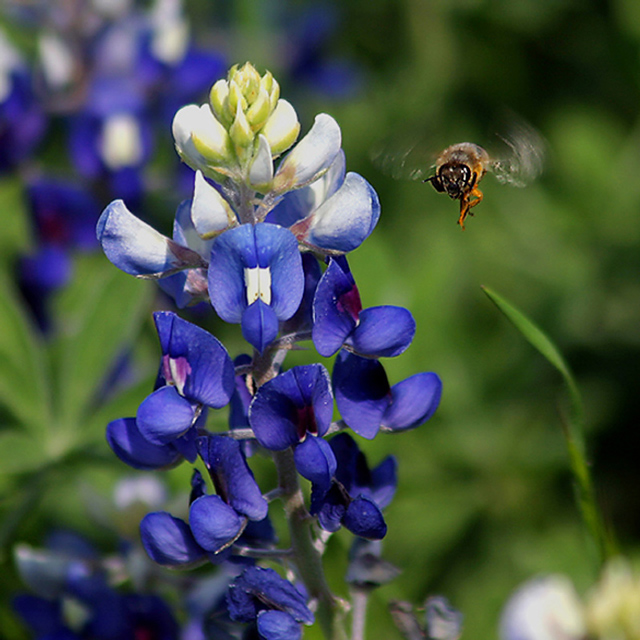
x=100, y=313
x=24, y=385
x=573, y=428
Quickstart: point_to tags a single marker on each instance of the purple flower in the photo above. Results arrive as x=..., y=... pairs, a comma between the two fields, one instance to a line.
x=256, y=279
x=339, y=319
x=262, y=596
x=367, y=402
x=294, y=409
x=357, y=495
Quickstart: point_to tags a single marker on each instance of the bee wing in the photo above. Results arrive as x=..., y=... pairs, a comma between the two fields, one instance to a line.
x=404, y=159
x=522, y=158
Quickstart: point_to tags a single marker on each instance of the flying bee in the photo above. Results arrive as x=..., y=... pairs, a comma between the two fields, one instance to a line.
x=458, y=170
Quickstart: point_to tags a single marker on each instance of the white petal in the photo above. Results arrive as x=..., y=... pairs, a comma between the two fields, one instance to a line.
x=311, y=157
x=210, y=212
x=261, y=172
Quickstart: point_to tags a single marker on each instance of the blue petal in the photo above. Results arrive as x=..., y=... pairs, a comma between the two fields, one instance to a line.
x=128, y=444
x=336, y=308
x=362, y=392
x=169, y=540
x=315, y=461
x=302, y=319
x=211, y=379
x=164, y=416
x=259, y=325
x=215, y=525
x=232, y=477
x=329, y=506
x=137, y=248
x=383, y=332
x=345, y=220
x=413, y=401
x=44, y=616
x=364, y=519
x=384, y=481
x=278, y=625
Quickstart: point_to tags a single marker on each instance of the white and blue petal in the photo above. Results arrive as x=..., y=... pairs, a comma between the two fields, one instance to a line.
x=210, y=213
x=137, y=248
x=343, y=221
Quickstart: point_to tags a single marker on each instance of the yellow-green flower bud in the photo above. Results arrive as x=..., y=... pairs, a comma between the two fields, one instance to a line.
x=282, y=128
x=248, y=79
x=235, y=99
x=259, y=111
x=272, y=87
x=210, y=138
x=241, y=133
x=219, y=97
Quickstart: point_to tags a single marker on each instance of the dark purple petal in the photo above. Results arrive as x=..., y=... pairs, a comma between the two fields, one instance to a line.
x=164, y=416
x=336, y=308
x=315, y=461
x=133, y=449
x=363, y=518
x=232, y=477
x=210, y=380
x=383, y=332
x=256, y=589
x=278, y=625
x=302, y=320
x=169, y=540
x=215, y=525
x=42, y=615
x=362, y=392
x=291, y=405
x=413, y=401
x=259, y=325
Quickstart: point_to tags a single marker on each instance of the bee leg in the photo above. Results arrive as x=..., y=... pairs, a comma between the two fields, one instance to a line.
x=466, y=204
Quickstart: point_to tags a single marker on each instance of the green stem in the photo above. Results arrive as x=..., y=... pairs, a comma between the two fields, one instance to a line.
x=305, y=556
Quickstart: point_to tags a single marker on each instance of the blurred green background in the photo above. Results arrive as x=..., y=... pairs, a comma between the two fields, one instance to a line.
x=485, y=498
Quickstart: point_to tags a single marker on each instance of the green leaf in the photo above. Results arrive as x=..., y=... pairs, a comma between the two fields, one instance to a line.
x=101, y=313
x=15, y=233
x=24, y=385
x=573, y=430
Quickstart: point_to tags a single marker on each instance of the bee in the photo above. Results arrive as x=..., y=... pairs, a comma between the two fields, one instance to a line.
x=458, y=170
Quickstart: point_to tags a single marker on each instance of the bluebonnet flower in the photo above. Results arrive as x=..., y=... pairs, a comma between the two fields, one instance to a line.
x=367, y=403
x=273, y=603
x=339, y=320
x=216, y=521
x=68, y=571
x=294, y=409
x=22, y=118
x=63, y=217
x=357, y=495
x=196, y=372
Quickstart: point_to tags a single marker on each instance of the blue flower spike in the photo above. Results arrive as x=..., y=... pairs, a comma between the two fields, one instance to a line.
x=339, y=319
x=368, y=403
x=294, y=410
x=256, y=279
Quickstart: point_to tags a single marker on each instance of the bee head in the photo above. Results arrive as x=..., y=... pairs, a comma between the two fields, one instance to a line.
x=454, y=178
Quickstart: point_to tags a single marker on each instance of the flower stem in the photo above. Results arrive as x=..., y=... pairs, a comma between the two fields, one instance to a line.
x=305, y=556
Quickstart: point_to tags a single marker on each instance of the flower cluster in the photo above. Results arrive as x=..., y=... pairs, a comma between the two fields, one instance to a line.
x=253, y=241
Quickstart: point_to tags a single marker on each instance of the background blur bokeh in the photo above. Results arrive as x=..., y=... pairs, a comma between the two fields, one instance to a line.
x=485, y=497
